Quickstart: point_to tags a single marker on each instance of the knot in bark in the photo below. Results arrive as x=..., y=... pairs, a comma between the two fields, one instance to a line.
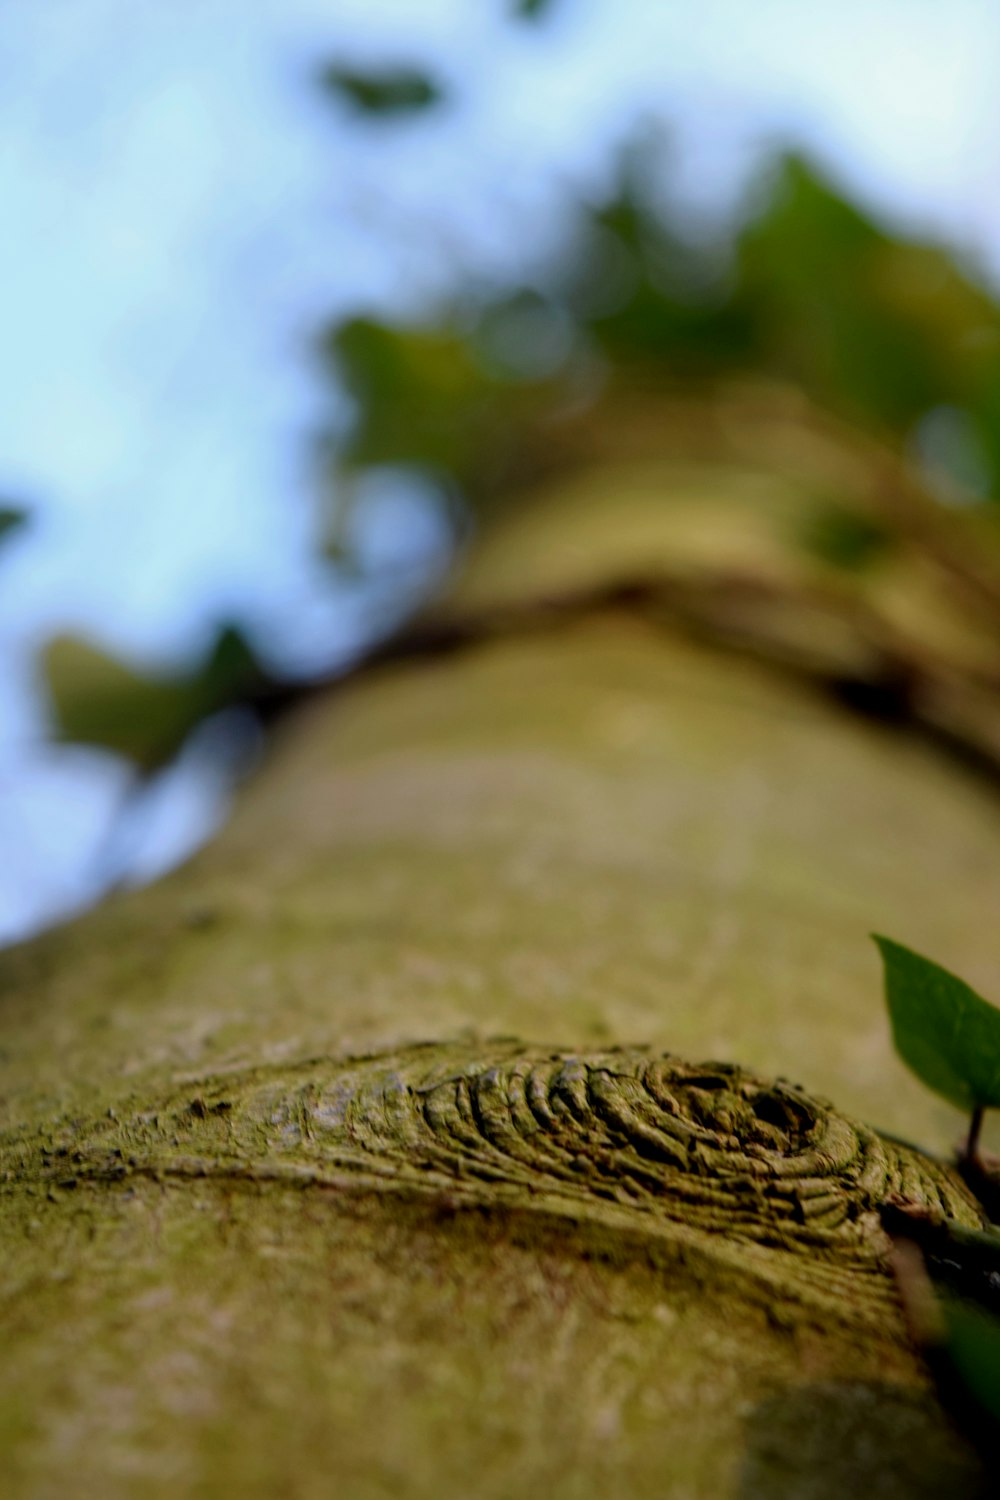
x=703, y=1159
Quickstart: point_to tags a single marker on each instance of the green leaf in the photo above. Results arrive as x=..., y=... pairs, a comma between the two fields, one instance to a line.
x=397, y=91
x=531, y=10
x=946, y=1033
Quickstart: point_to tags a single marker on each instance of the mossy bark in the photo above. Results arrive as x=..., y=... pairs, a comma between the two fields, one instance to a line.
x=356, y=1157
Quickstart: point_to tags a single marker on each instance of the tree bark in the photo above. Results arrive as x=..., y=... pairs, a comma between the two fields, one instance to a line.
x=376, y=1151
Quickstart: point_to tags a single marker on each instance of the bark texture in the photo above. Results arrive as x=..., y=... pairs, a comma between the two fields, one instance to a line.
x=376, y=1153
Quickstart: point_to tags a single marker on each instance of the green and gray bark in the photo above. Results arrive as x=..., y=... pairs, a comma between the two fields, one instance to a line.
x=376, y=1152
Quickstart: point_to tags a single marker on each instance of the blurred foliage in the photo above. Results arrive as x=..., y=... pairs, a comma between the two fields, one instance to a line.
x=396, y=91
x=885, y=329
x=97, y=700
x=890, y=333
x=806, y=289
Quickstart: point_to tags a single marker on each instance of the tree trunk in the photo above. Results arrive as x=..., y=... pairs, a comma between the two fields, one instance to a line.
x=359, y=1156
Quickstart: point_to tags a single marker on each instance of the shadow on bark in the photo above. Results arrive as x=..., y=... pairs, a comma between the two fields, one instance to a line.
x=833, y=1440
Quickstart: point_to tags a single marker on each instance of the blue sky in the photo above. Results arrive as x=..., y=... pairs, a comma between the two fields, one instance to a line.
x=182, y=209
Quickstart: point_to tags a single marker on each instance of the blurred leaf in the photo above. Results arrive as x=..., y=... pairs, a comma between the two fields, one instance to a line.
x=973, y=1346
x=531, y=10
x=670, y=302
x=813, y=271
x=418, y=393
x=229, y=671
x=12, y=518
x=947, y=1034
x=397, y=91
x=884, y=327
x=98, y=700
x=430, y=399
x=844, y=538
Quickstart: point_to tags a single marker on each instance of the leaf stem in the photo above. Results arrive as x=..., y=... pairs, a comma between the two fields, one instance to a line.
x=971, y=1151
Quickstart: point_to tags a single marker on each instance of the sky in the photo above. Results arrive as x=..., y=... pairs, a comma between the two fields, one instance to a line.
x=182, y=210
